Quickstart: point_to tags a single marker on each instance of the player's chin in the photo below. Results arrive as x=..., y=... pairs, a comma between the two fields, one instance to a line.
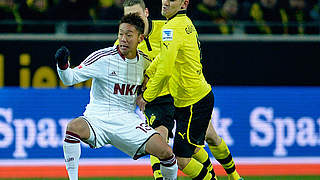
x=124, y=50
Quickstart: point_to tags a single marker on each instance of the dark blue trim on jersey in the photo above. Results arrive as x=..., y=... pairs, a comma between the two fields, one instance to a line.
x=179, y=12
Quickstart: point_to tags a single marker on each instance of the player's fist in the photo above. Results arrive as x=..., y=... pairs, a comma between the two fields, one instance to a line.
x=61, y=57
x=141, y=102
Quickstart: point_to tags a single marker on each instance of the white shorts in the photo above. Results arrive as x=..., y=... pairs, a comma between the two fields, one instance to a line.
x=124, y=130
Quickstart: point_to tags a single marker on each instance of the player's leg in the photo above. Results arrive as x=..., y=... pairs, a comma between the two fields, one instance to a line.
x=189, y=165
x=202, y=156
x=158, y=147
x=155, y=165
x=192, y=122
x=220, y=151
x=155, y=162
x=132, y=136
x=77, y=129
x=160, y=116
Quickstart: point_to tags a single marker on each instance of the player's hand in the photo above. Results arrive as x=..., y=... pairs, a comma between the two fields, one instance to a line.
x=141, y=102
x=62, y=57
x=144, y=84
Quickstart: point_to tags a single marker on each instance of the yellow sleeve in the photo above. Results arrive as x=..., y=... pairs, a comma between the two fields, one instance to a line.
x=116, y=43
x=170, y=43
x=152, y=68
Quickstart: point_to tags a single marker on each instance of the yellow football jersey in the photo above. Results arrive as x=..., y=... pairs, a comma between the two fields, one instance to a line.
x=178, y=64
x=151, y=47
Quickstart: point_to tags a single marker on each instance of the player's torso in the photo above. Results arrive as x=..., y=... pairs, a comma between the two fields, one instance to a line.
x=124, y=73
x=117, y=89
x=187, y=83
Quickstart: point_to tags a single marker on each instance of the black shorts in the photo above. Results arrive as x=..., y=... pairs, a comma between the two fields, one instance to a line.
x=192, y=124
x=159, y=112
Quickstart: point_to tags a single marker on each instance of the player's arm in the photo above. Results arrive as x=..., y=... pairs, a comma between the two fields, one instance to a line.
x=170, y=44
x=151, y=70
x=147, y=62
x=70, y=76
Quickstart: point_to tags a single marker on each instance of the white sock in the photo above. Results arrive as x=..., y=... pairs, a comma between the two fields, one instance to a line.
x=169, y=168
x=72, y=151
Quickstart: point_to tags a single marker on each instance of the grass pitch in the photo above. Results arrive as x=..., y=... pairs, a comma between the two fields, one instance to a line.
x=186, y=178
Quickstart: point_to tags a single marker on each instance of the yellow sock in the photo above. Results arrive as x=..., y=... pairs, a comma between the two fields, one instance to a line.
x=195, y=170
x=234, y=176
x=155, y=164
x=203, y=157
x=224, y=157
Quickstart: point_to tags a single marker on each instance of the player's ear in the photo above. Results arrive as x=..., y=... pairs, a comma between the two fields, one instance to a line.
x=141, y=37
x=185, y=4
x=146, y=12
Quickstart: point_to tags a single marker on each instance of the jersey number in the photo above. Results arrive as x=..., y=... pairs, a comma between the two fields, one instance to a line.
x=144, y=127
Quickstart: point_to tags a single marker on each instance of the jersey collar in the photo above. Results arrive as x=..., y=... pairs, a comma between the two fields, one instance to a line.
x=123, y=57
x=182, y=12
x=119, y=52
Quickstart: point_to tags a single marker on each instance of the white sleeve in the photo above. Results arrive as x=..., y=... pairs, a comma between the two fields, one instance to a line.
x=146, y=60
x=91, y=67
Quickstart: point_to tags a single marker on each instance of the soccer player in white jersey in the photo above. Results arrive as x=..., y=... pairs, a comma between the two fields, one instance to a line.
x=109, y=118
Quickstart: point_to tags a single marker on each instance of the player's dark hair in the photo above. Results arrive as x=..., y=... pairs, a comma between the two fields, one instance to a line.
x=127, y=3
x=135, y=20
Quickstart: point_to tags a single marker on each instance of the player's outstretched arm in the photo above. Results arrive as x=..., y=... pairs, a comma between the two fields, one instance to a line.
x=84, y=71
x=67, y=75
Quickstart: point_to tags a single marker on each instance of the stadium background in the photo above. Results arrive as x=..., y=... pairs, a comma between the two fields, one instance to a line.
x=267, y=103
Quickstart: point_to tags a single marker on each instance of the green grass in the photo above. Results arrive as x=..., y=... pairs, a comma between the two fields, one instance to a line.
x=186, y=178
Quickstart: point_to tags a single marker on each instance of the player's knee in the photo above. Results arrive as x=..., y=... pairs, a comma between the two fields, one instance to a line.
x=182, y=162
x=197, y=150
x=163, y=132
x=78, y=127
x=72, y=126
x=165, y=153
x=213, y=139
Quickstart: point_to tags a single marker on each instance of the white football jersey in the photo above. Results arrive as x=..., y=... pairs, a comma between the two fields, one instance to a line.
x=115, y=79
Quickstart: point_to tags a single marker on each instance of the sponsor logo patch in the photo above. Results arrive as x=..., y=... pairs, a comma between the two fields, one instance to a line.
x=167, y=35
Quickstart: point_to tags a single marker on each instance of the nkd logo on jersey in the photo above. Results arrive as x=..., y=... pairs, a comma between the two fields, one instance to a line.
x=125, y=89
x=167, y=35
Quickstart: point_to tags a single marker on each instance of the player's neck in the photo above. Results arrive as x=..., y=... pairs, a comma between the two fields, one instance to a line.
x=146, y=30
x=131, y=55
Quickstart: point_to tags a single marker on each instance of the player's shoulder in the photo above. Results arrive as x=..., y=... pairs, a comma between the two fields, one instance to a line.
x=156, y=28
x=100, y=54
x=107, y=50
x=171, y=30
x=177, y=26
x=158, y=23
x=178, y=21
x=144, y=56
x=173, y=26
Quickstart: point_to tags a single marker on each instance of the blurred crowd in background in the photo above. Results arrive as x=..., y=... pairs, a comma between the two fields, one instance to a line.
x=210, y=16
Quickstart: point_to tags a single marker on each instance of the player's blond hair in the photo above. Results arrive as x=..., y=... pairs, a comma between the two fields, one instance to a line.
x=127, y=3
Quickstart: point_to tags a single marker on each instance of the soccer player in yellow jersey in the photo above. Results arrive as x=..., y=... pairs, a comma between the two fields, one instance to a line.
x=178, y=65
x=160, y=112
